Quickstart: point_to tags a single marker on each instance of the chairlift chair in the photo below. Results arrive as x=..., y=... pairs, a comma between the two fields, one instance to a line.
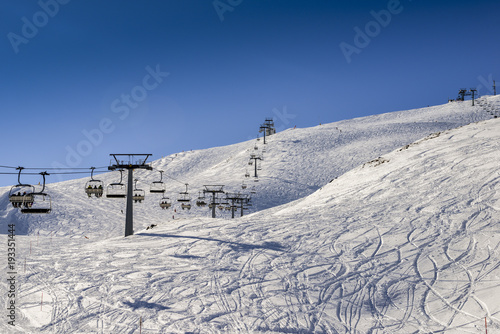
x=138, y=194
x=243, y=185
x=184, y=196
x=158, y=186
x=20, y=194
x=37, y=202
x=93, y=186
x=165, y=203
x=17, y=192
x=117, y=189
x=201, y=200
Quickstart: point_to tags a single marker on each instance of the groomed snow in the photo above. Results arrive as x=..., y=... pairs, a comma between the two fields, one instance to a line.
x=382, y=224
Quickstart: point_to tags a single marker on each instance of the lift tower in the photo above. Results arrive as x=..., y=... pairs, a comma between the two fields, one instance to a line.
x=255, y=158
x=237, y=198
x=473, y=93
x=130, y=162
x=267, y=128
x=213, y=190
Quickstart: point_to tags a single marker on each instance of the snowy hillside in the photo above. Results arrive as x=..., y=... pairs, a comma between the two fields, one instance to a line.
x=296, y=163
x=388, y=225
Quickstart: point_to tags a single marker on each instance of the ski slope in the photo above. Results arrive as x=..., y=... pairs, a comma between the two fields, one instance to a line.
x=382, y=224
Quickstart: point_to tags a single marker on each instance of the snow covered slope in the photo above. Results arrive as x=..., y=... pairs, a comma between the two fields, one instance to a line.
x=296, y=163
x=404, y=241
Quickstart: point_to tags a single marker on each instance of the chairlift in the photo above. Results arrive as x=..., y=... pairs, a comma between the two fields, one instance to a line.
x=158, y=186
x=18, y=192
x=94, y=187
x=247, y=174
x=186, y=206
x=256, y=147
x=250, y=163
x=253, y=191
x=117, y=189
x=184, y=196
x=165, y=203
x=243, y=185
x=37, y=202
x=201, y=200
x=138, y=194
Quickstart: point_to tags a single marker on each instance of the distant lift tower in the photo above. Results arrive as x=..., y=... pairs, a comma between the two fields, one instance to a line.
x=131, y=162
x=214, y=190
x=473, y=93
x=462, y=93
x=237, y=198
x=255, y=158
x=267, y=128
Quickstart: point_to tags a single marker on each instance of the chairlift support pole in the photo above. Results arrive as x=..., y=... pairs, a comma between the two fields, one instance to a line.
x=255, y=158
x=263, y=129
x=130, y=166
x=237, y=198
x=217, y=189
x=494, y=88
x=473, y=92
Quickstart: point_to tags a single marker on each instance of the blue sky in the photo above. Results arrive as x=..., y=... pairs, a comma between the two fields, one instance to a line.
x=83, y=79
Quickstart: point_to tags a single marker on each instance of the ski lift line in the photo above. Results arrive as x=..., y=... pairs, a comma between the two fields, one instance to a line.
x=54, y=168
x=63, y=173
x=8, y=167
x=172, y=178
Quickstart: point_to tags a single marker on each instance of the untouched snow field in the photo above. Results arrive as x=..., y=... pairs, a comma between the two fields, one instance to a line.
x=382, y=224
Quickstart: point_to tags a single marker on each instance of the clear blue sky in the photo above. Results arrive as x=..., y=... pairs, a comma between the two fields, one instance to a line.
x=83, y=79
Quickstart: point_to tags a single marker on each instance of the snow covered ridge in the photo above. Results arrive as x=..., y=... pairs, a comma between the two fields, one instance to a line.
x=406, y=242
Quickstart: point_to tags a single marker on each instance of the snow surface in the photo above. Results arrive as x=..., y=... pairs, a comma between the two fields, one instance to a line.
x=381, y=224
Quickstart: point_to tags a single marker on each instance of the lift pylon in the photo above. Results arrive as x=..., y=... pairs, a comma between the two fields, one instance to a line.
x=214, y=190
x=130, y=162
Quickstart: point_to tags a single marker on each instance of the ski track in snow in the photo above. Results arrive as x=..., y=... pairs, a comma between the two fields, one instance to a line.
x=404, y=239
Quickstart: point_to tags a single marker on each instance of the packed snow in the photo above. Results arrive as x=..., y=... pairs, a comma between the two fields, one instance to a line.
x=380, y=224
